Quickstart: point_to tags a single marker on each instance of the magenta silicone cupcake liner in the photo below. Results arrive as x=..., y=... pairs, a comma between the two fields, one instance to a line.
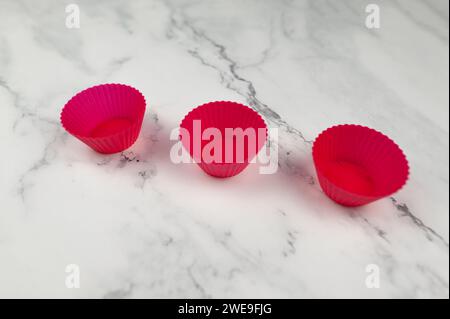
x=106, y=117
x=223, y=116
x=357, y=165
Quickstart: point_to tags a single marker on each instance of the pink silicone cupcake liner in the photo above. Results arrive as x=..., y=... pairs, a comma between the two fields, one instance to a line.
x=236, y=153
x=106, y=117
x=357, y=165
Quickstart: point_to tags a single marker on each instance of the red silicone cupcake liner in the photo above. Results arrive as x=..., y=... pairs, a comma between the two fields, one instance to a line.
x=357, y=165
x=235, y=153
x=106, y=117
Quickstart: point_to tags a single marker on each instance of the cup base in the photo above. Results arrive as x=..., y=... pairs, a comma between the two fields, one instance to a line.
x=223, y=170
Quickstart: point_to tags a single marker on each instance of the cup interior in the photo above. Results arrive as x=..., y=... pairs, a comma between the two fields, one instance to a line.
x=360, y=160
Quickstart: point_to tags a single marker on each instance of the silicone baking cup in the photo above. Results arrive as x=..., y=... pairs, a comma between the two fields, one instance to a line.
x=223, y=115
x=106, y=117
x=357, y=165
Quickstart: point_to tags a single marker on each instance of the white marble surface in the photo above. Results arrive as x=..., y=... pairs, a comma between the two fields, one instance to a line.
x=139, y=226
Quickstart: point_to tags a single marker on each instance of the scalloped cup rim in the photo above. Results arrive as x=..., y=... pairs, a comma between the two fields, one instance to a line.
x=224, y=101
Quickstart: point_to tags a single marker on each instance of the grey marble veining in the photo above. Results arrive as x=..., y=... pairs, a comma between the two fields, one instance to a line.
x=138, y=225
